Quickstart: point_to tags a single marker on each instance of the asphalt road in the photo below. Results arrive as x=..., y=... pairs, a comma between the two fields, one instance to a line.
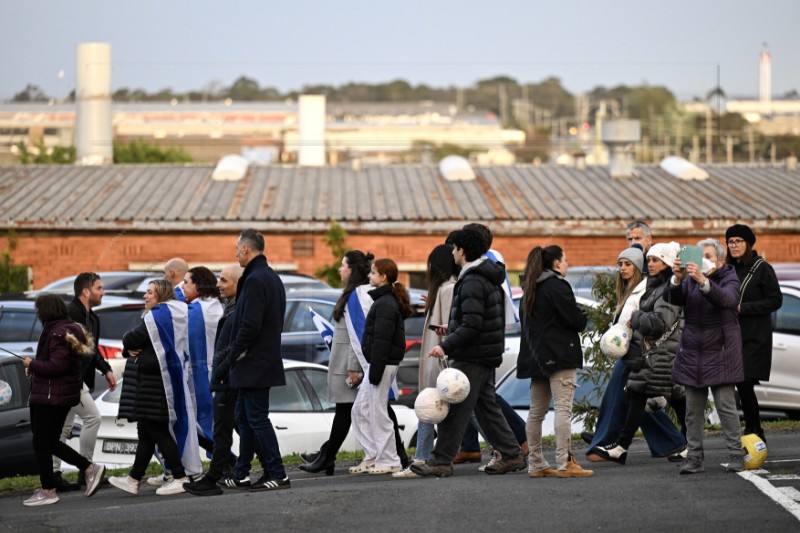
x=647, y=494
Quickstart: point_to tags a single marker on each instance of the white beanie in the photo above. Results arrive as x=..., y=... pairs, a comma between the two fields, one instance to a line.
x=666, y=251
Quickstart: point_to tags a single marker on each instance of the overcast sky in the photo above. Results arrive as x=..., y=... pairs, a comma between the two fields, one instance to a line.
x=184, y=45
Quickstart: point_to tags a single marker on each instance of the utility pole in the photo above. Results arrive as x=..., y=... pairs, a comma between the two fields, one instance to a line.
x=751, y=144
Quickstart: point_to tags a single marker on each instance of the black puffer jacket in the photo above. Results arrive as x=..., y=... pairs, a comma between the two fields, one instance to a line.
x=142, y=398
x=550, y=339
x=384, y=338
x=220, y=365
x=476, y=329
x=650, y=322
x=760, y=297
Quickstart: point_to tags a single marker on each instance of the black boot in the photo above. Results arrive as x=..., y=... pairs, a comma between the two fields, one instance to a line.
x=322, y=462
x=311, y=457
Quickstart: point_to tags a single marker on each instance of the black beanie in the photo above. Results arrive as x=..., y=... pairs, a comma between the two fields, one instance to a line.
x=742, y=231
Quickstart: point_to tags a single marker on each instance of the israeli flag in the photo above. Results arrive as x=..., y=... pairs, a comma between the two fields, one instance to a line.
x=324, y=327
x=204, y=317
x=355, y=314
x=167, y=324
x=512, y=315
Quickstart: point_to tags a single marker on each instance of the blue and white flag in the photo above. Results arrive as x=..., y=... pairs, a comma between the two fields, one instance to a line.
x=355, y=315
x=324, y=327
x=204, y=317
x=167, y=324
x=179, y=292
x=512, y=315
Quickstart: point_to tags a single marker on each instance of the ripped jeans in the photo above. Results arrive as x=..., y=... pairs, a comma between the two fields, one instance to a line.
x=561, y=388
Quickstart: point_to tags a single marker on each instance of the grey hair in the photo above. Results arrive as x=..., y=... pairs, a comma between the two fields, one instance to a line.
x=639, y=224
x=717, y=247
x=253, y=239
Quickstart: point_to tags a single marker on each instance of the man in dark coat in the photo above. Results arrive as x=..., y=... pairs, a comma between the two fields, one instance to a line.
x=89, y=292
x=474, y=344
x=255, y=358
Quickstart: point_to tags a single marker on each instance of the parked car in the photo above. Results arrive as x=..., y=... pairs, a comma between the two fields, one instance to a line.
x=112, y=281
x=782, y=391
x=20, y=329
x=582, y=278
x=16, y=452
x=787, y=271
x=300, y=413
x=300, y=339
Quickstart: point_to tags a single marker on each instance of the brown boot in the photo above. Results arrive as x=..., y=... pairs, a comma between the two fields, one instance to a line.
x=467, y=457
x=574, y=470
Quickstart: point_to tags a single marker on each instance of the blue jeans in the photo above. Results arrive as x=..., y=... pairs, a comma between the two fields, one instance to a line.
x=470, y=441
x=425, y=437
x=252, y=411
x=663, y=438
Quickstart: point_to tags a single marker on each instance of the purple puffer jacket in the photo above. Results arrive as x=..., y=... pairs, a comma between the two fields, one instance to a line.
x=57, y=368
x=710, y=350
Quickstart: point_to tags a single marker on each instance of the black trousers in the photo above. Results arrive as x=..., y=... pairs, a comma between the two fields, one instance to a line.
x=151, y=434
x=752, y=413
x=224, y=424
x=636, y=411
x=47, y=422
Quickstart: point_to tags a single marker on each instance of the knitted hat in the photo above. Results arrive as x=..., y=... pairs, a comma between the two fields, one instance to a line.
x=666, y=251
x=742, y=231
x=634, y=255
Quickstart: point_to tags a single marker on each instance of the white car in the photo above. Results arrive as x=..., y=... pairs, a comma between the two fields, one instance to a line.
x=782, y=391
x=300, y=413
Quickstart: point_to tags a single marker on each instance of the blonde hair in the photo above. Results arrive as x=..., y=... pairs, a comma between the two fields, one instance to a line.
x=163, y=290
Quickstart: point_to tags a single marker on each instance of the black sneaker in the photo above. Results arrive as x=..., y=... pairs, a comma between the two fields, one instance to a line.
x=264, y=483
x=233, y=483
x=204, y=487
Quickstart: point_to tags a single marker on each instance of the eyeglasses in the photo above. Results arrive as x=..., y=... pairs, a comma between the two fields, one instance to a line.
x=735, y=242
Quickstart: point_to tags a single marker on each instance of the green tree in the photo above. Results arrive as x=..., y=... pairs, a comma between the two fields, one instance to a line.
x=41, y=155
x=598, y=366
x=335, y=237
x=31, y=93
x=13, y=278
x=244, y=89
x=140, y=151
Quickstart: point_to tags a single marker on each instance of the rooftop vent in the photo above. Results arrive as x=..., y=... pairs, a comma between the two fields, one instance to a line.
x=620, y=136
x=456, y=168
x=230, y=168
x=682, y=169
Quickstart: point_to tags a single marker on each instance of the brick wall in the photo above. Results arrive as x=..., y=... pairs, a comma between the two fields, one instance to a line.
x=53, y=255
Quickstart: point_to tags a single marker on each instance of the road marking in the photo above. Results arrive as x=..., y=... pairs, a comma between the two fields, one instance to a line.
x=774, y=493
x=791, y=492
x=783, y=477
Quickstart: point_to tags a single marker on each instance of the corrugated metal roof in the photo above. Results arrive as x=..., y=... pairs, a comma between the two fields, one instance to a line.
x=393, y=198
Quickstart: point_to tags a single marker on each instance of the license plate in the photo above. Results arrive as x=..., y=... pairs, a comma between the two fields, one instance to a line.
x=120, y=446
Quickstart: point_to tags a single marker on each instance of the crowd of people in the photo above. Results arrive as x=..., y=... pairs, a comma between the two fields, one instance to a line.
x=203, y=359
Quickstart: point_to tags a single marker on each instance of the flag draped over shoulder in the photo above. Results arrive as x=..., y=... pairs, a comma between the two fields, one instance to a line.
x=204, y=317
x=355, y=315
x=167, y=325
x=512, y=315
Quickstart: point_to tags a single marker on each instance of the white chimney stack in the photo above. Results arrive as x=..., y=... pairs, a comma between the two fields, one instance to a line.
x=765, y=81
x=93, y=132
x=311, y=130
x=619, y=136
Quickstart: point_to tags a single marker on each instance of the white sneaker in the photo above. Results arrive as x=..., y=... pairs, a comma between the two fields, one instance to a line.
x=40, y=497
x=495, y=457
x=124, y=483
x=173, y=487
x=405, y=474
x=157, y=481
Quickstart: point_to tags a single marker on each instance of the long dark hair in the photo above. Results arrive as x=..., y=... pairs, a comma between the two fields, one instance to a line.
x=388, y=268
x=359, y=264
x=441, y=267
x=205, y=281
x=539, y=260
